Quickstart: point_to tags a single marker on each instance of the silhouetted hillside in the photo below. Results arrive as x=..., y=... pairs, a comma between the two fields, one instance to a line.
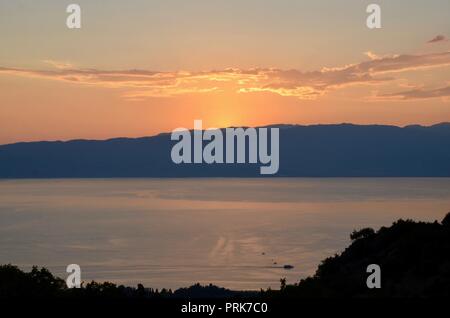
x=40, y=283
x=305, y=151
x=414, y=258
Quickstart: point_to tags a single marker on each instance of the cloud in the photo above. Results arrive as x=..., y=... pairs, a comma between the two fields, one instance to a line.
x=141, y=84
x=372, y=55
x=59, y=64
x=418, y=93
x=438, y=38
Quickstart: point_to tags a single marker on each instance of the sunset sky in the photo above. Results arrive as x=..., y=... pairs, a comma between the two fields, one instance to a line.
x=141, y=67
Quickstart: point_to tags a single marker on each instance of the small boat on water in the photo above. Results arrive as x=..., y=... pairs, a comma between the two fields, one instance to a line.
x=288, y=267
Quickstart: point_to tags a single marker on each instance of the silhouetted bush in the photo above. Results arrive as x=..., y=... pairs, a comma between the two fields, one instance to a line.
x=36, y=283
x=446, y=221
x=414, y=258
x=363, y=233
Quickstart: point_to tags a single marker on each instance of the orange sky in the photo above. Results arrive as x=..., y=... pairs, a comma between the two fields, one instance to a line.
x=124, y=74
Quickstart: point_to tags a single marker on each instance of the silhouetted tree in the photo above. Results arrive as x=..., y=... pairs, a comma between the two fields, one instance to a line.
x=363, y=233
x=446, y=221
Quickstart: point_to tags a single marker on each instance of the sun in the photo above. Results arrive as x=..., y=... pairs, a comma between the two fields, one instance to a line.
x=225, y=111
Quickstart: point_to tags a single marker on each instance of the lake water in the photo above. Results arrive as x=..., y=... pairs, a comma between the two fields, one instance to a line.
x=236, y=233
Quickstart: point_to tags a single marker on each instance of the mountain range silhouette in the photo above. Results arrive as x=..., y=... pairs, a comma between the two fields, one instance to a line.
x=342, y=150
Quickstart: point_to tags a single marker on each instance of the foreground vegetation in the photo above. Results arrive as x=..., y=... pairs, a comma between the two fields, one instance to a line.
x=414, y=258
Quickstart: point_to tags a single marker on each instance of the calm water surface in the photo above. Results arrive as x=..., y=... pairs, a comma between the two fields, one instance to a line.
x=237, y=233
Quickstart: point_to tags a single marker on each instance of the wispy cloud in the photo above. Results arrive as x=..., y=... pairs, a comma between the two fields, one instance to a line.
x=140, y=84
x=372, y=55
x=418, y=93
x=58, y=64
x=438, y=38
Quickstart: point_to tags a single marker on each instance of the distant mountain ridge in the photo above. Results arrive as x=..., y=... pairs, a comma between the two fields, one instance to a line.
x=341, y=150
